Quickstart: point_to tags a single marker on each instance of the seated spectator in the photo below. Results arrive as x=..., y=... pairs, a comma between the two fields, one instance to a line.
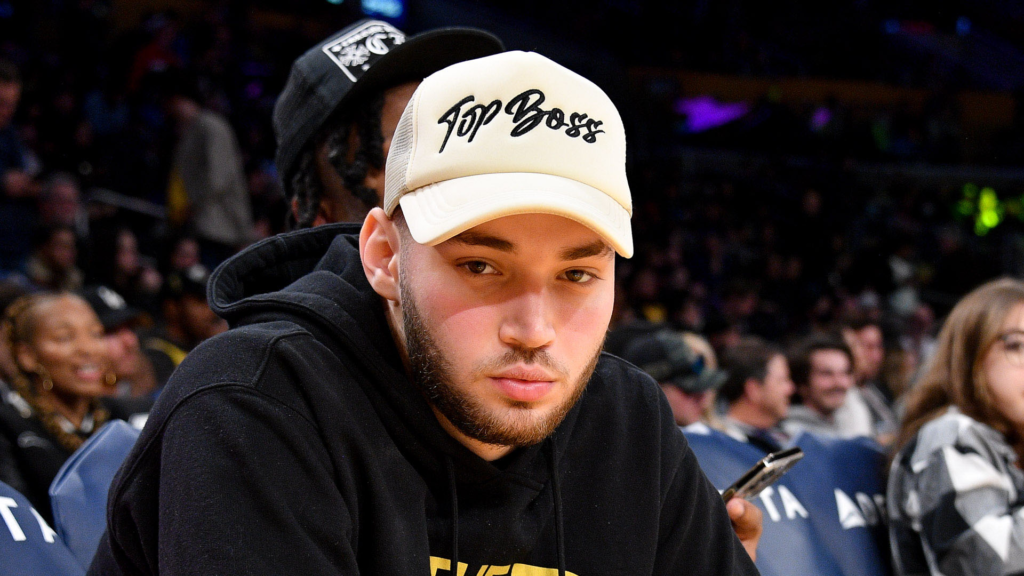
x=52, y=265
x=118, y=265
x=757, y=392
x=134, y=373
x=956, y=490
x=62, y=371
x=60, y=204
x=822, y=369
x=685, y=366
x=187, y=321
x=868, y=407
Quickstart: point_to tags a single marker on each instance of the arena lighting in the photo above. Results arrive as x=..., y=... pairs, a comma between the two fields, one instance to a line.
x=335, y=2
x=392, y=9
x=984, y=206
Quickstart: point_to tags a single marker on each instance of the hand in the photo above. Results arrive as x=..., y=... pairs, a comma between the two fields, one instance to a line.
x=746, y=521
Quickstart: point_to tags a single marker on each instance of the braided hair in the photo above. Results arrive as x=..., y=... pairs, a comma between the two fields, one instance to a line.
x=18, y=326
x=304, y=184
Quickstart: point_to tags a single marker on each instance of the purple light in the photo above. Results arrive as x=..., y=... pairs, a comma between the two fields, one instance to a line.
x=704, y=112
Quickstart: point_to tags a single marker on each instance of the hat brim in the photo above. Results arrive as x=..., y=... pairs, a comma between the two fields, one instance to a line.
x=115, y=318
x=708, y=380
x=413, y=60
x=436, y=212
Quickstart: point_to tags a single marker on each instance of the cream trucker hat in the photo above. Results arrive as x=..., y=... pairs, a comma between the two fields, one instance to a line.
x=512, y=133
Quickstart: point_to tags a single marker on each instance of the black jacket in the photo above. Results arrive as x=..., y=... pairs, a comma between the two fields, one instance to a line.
x=295, y=444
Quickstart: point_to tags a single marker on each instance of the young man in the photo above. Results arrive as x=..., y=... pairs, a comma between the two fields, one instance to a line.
x=337, y=114
x=757, y=391
x=822, y=368
x=428, y=396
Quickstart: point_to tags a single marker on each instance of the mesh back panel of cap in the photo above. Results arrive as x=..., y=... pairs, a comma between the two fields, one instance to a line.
x=398, y=159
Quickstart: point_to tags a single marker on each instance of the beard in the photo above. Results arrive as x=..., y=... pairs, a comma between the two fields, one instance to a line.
x=515, y=423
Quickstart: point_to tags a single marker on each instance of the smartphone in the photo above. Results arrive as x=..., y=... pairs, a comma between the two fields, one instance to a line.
x=763, y=474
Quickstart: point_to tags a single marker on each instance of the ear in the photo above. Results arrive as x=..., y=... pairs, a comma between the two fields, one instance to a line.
x=26, y=358
x=325, y=213
x=378, y=249
x=753, y=389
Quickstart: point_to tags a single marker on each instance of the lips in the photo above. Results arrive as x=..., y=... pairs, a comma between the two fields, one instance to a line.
x=524, y=384
x=89, y=372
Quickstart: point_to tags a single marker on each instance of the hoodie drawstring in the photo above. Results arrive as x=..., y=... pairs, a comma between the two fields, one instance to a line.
x=455, y=515
x=556, y=491
x=557, y=494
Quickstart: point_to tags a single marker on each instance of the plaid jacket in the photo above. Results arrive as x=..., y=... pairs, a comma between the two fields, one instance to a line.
x=956, y=501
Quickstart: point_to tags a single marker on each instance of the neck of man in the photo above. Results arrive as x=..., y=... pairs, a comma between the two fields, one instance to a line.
x=743, y=410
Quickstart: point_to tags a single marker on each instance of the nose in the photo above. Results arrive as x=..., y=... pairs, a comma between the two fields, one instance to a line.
x=528, y=320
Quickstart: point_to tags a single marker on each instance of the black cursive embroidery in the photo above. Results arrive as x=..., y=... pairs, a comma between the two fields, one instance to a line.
x=470, y=121
x=526, y=112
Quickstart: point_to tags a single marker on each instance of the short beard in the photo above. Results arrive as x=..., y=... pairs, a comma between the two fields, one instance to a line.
x=513, y=425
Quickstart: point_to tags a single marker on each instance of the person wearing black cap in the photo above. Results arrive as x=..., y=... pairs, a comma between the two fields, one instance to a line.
x=337, y=114
x=688, y=376
x=187, y=321
x=133, y=371
x=757, y=391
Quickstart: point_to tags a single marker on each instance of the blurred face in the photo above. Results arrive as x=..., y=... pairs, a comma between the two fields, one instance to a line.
x=687, y=408
x=68, y=346
x=123, y=349
x=61, y=251
x=10, y=93
x=198, y=320
x=185, y=255
x=830, y=378
x=127, y=259
x=503, y=325
x=1003, y=369
x=776, y=389
x=872, y=350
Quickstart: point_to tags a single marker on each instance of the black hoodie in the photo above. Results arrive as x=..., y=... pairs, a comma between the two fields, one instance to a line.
x=296, y=444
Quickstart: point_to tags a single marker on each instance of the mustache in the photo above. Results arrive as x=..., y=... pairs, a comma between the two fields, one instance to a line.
x=528, y=356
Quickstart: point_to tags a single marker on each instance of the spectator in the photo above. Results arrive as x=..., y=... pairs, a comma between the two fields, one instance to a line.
x=334, y=122
x=956, y=490
x=822, y=369
x=207, y=192
x=133, y=371
x=187, y=321
x=868, y=406
x=52, y=265
x=60, y=204
x=62, y=370
x=685, y=367
x=757, y=393
x=118, y=264
x=17, y=188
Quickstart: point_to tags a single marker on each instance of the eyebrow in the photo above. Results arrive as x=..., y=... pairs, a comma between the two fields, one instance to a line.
x=470, y=238
x=595, y=248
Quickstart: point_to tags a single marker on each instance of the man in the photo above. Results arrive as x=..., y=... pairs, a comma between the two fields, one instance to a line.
x=207, y=192
x=187, y=321
x=822, y=368
x=429, y=396
x=867, y=410
x=684, y=366
x=336, y=116
x=17, y=187
x=757, y=392
x=132, y=370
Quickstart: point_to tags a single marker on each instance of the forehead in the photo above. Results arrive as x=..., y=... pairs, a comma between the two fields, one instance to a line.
x=1015, y=319
x=829, y=358
x=546, y=234
x=63, y=312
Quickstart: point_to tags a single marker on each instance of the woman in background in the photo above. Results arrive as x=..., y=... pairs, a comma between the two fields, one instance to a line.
x=62, y=370
x=956, y=489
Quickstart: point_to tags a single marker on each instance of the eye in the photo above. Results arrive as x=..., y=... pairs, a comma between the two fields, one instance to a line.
x=578, y=276
x=478, y=267
x=1014, y=345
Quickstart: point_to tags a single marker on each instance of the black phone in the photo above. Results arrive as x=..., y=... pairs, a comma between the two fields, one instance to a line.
x=763, y=474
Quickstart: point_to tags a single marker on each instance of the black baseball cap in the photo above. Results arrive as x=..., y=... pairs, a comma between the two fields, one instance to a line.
x=191, y=281
x=667, y=357
x=368, y=55
x=111, y=308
